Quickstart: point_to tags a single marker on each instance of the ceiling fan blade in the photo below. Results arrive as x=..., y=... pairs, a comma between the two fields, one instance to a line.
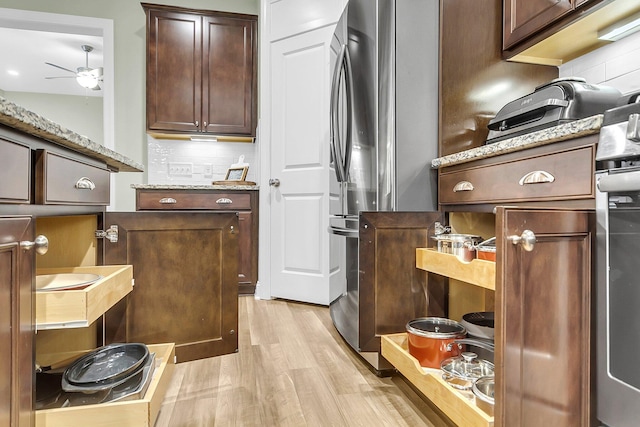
x=61, y=77
x=62, y=68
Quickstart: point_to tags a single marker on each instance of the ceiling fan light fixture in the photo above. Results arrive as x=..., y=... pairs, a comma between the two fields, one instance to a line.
x=87, y=79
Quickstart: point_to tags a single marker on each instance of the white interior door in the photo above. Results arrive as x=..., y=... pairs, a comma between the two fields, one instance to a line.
x=299, y=206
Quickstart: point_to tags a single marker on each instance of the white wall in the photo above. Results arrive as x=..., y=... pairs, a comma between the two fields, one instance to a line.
x=617, y=65
x=81, y=114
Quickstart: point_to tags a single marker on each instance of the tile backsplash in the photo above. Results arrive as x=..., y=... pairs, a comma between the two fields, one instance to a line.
x=616, y=64
x=196, y=163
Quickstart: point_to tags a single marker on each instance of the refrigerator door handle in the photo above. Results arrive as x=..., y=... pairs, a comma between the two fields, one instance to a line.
x=345, y=232
x=343, y=63
x=349, y=89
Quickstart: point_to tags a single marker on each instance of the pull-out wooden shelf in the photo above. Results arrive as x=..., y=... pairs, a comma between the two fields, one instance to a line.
x=459, y=406
x=79, y=308
x=140, y=413
x=477, y=272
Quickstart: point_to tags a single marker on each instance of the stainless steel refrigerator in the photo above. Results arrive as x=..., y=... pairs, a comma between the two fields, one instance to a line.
x=384, y=131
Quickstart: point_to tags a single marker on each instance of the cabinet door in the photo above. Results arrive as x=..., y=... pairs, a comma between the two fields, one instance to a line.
x=174, y=71
x=185, y=267
x=229, y=75
x=392, y=290
x=523, y=18
x=543, y=322
x=16, y=323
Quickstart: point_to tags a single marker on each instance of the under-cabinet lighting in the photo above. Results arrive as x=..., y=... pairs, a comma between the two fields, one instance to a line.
x=204, y=139
x=620, y=29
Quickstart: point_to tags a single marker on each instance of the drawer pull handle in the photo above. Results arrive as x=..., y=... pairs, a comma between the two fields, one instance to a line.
x=168, y=201
x=224, y=201
x=85, y=183
x=536, y=177
x=463, y=186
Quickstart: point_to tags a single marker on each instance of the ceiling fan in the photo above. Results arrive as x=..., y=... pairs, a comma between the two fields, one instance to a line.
x=89, y=78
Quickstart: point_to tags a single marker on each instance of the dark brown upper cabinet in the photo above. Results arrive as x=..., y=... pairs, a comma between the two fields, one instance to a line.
x=201, y=72
x=524, y=17
x=552, y=32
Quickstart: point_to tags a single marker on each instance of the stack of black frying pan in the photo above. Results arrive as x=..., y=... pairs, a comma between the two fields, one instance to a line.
x=106, y=374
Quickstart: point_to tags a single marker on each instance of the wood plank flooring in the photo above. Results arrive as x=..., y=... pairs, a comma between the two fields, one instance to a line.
x=292, y=369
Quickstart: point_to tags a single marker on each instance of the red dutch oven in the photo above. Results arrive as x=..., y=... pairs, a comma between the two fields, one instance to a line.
x=431, y=340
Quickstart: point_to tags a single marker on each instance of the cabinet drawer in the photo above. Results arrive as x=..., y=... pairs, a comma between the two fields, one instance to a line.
x=81, y=307
x=559, y=176
x=15, y=172
x=139, y=412
x=61, y=180
x=184, y=199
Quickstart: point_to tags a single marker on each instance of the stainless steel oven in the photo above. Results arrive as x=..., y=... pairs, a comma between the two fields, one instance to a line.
x=618, y=267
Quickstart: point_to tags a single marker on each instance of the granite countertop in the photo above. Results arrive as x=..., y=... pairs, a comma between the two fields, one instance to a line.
x=193, y=187
x=587, y=126
x=29, y=122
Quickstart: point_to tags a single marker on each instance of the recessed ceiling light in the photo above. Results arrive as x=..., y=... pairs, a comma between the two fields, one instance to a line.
x=13, y=73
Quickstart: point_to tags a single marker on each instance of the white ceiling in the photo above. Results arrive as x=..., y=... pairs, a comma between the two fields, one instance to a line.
x=26, y=52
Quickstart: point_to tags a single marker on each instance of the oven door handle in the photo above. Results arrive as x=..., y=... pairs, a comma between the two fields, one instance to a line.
x=628, y=181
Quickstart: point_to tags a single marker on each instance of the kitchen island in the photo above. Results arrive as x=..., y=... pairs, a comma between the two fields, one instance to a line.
x=239, y=198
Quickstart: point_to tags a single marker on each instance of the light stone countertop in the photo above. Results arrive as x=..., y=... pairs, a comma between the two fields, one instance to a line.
x=193, y=187
x=29, y=122
x=587, y=126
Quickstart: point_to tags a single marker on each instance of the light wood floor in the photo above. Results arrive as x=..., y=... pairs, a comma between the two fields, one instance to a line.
x=292, y=369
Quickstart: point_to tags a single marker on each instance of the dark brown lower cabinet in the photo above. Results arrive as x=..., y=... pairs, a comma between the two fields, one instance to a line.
x=543, y=327
x=16, y=320
x=185, y=267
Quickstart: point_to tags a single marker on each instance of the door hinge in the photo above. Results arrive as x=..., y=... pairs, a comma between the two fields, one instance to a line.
x=111, y=233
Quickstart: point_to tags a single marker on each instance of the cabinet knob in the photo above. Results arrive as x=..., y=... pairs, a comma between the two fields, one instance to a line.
x=274, y=182
x=527, y=240
x=168, y=201
x=41, y=243
x=224, y=201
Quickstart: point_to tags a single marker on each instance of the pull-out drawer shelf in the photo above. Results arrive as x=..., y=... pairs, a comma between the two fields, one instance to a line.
x=77, y=308
x=141, y=412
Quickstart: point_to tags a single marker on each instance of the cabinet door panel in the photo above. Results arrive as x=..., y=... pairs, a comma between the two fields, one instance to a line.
x=392, y=290
x=16, y=320
x=185, y=268
x=229, y=49
x=543, y=372
x=522, y=18
x=174, y=71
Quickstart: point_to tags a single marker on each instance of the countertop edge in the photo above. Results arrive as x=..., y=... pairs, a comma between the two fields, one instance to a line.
x=20, y=118
x=587, y=126
x=194, y=187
